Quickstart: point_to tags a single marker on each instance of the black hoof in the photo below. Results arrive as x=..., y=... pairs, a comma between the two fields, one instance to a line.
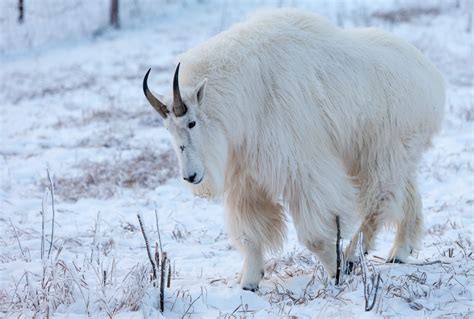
x=252, y=288
x=395, y=260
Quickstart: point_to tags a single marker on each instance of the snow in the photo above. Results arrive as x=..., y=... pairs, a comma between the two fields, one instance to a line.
x=72, y=103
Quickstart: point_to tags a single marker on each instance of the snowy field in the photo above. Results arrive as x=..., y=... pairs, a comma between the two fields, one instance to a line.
x=72, y=104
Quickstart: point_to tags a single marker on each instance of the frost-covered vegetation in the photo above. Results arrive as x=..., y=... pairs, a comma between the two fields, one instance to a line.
x=72, y=104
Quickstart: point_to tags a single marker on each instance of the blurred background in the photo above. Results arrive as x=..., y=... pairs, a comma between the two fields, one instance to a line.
x=71, y=103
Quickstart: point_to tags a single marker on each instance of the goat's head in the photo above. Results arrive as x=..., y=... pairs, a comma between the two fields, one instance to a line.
x=186, y=123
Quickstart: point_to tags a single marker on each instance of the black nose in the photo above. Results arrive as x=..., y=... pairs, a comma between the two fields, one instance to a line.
x=190, y=178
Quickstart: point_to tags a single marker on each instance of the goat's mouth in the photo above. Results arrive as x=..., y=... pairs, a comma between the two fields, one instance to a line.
x=198, y=181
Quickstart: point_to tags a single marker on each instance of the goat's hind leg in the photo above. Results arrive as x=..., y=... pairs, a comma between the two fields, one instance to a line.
x=410, y=227
x=380, y=199
x=314, y=207
x=368, y=230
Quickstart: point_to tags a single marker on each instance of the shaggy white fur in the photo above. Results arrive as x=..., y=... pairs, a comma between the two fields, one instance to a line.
x=298, y=113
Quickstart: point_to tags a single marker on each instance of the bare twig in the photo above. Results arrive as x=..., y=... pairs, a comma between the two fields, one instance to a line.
x=371, y=286
x=235, y=310
x=42, y=224
x=428, y=263
x=158, y=230
x=369, y=307
x=79, y=283
x=338, y=251
x=21, y=11
x=31, y=292
x=51, y=186
x=16, y=284
x=114, y=14
x=168, y=284
x=18, y=239
x=157, y=257
x=147, y=245
x=190, y=305
x=95, y=242
x=162, y=281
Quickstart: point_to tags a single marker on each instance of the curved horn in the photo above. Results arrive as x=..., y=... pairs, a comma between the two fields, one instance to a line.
x=157, y=105
x=179, y=108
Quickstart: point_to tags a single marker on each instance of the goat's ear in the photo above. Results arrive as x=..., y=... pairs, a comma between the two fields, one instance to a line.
x=200, y=90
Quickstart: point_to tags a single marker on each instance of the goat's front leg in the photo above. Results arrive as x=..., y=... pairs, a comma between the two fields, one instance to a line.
x=252, y=269
x=256, y=225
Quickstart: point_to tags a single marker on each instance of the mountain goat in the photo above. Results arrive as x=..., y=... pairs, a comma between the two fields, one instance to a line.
x=288, y=112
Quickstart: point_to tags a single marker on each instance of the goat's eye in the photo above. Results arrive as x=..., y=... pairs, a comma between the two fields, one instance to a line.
x=191, y=124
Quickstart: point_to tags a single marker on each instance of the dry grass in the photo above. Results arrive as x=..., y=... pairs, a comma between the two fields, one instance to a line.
x=295, y=265
x=406, y=14
x=90, y=280
x=379, y=283
x=108, y=116
x=61, y=85
x=148, y=169
x=39, y=295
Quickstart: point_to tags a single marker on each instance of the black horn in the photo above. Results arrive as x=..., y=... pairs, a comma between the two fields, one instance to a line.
x=157, y=105
x=179, y=108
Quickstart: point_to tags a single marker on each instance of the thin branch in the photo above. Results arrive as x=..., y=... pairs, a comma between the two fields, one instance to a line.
x=114, y=14
x=190, y=305
x=31, y=293
x=370, y=288
x=15, y=295
x=18, y=239
x=42, y=234
x=158, y=230
x=168, y=284
x=338, y=251
x=235, y=310
x=21, y=11
x=428, y=263
x=42, y=223
x=95, y=243
x=51, y=185
x=147, y=245
x=371, y=306
x=157, y=263
x=162, y=281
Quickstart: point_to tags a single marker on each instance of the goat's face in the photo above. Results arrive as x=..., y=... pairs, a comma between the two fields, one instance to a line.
x=189, y=137
x=184, y=119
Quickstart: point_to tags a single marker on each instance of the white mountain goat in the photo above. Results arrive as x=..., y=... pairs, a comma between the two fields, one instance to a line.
x=288, y=112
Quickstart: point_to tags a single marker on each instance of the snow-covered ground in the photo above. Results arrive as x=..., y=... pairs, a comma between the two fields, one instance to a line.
x=72, y=103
